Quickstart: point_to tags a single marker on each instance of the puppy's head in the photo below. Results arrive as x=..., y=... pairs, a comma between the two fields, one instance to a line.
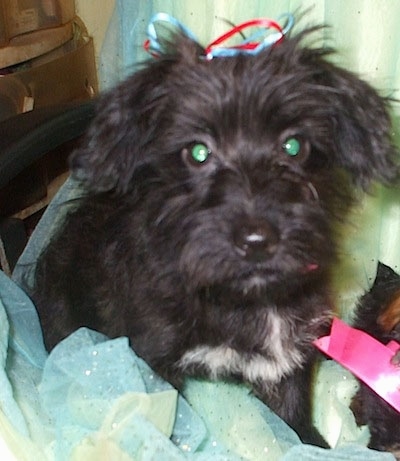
x=240, y=162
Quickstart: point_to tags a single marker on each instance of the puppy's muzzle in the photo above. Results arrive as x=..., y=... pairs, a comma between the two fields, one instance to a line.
x=256, y=241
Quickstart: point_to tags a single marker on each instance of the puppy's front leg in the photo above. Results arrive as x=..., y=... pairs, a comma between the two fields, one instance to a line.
x=292, y=402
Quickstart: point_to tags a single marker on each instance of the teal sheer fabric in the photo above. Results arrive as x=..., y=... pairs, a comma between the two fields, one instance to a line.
x=93, y=398
x=365, y=32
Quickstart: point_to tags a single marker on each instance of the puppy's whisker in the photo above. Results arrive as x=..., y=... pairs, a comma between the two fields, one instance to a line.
x=313, y=190
x=175, y=204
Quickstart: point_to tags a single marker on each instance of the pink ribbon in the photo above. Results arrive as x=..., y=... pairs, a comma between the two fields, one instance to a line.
x=366, y=358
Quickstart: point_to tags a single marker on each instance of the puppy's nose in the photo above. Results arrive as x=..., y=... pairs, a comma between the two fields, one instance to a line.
x=256, y=241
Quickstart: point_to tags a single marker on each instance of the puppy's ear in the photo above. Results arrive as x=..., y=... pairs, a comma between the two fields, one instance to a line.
x=362, y=129
x=127, y=122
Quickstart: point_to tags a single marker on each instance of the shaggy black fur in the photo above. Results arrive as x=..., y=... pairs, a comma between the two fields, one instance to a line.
x=217, y=268
x=375, y=311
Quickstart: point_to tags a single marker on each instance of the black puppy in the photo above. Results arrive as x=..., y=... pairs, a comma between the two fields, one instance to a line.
x=378, y=313
x=206, y=231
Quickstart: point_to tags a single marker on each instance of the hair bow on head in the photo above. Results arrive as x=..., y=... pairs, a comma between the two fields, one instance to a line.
x=268, y=33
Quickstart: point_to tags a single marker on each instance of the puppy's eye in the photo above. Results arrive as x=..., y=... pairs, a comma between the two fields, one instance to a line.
x=200, y=153
x=292, y=146
x=196, y=154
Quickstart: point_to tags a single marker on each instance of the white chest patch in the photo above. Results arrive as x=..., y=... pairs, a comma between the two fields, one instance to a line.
x=278, y=361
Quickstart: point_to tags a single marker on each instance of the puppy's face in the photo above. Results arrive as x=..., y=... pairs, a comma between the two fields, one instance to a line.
x=237, y=166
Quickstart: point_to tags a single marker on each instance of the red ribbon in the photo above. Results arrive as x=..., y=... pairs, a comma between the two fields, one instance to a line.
x=262, y=22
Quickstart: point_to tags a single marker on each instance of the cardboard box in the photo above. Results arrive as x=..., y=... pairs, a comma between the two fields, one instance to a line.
x=19, y=17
